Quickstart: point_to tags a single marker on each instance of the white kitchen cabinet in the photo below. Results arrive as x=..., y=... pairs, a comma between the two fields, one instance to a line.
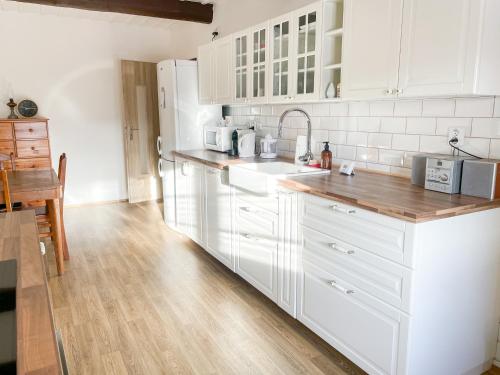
x=259, y=58
x=371, y=46
x=307, y=51
x=218, y=226
x=241, y=63
x=189, y=187
x=256, y=246
x=206, y=74
x=412, y=48
x=281, y=42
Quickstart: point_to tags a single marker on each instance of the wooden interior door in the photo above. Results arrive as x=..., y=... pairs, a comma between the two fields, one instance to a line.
x=142, y=128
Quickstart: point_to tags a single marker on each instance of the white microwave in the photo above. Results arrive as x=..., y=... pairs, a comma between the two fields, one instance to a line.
x=219, y=138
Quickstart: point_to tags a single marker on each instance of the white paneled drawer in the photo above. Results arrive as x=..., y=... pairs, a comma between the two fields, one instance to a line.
x=268, y=202
x=257, y=248
x=379, y=234
x=380, y=278
x=366, y=330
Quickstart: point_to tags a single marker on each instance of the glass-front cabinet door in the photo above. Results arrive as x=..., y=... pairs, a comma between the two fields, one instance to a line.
x=308, y=44
x=259, y=58
x=241, y=67
x=281, y=49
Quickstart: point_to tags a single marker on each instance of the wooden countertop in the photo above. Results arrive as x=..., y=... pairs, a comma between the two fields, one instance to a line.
x=388, y=195
x=37, y=350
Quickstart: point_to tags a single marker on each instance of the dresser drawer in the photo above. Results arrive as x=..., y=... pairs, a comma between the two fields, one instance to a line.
x=379, y=234
x=35, y=163
x=369, y=332
x=31, y=130
x=5, y=131
x=7, y=147
x=378, y=277
x=33, y=149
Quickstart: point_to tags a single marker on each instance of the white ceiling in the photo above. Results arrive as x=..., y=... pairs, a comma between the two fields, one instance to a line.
x=14, y=6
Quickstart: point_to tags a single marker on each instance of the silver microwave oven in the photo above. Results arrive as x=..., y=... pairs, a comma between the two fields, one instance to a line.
x=218, y=138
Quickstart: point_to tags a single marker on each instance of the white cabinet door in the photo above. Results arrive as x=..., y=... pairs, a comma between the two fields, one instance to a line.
x=196, y=202
x=287, y=252
x=434, y=47
x=256, y=246
x=307, y=51
x=371, y=46
x=181, y=196
x=259, y=57
x=281, y=38
x=223, y=66
x=241, y=63
x=218, y=227
x=206, y=73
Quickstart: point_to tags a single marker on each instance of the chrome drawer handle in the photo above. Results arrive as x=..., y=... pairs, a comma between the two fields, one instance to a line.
x=334, y=284
x=250, y=237
x=210, y=171
x=247, y=209
x=336, y=208
x=335, y=247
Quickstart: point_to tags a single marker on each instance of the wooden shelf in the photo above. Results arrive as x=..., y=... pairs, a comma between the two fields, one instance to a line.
x=334, y=32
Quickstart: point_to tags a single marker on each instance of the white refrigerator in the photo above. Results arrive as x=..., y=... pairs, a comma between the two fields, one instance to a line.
x=182, y=121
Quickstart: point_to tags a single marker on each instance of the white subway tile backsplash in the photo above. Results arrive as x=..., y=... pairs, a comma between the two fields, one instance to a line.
x=408, y=108
x=357, y=139
x=434, y=144
x=346, y=152
x=339, y=109
x=379, y=140
x=474, y=107
x=391, y=157
x=338, y=137
x=322, y=109
x=405, y=142
x=438, y=107
x=443, y=124
x=421, y=125
x=384, y=135
x=369, y=124
x=393, y=125
x=486, y=127
x=359, y=109
x=382, y=108
x=367, y=154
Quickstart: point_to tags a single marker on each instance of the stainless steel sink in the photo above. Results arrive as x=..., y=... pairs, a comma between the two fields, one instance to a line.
x=262, y=178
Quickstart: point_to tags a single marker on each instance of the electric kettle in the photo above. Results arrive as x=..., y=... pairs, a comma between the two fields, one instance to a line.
x=246, y=144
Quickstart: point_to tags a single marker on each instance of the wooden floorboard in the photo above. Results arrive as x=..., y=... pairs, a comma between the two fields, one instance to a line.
x=138, y=298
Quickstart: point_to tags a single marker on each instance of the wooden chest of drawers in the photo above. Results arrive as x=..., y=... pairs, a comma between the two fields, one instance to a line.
x=28, y=139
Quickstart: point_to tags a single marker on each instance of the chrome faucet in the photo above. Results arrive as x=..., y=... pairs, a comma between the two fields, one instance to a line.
x=308, y=155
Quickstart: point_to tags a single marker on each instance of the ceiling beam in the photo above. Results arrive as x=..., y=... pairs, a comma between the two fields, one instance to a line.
x=170, y=9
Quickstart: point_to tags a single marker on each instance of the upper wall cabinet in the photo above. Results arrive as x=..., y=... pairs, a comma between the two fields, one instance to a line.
x=370, y=59
x=259, y=57
x=424, y=48
x=240, y=67
x=281, y=46
x=215, y=72
x=307, y=48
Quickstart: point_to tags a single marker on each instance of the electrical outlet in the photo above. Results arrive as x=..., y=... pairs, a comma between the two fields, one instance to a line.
x=458, y=134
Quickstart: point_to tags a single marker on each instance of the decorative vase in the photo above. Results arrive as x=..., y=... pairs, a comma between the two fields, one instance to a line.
x=12, y=105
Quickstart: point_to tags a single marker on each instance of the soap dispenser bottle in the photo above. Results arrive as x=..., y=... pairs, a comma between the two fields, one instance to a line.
x=326, y=157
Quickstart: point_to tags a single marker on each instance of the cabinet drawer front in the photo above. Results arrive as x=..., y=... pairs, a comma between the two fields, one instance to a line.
x=265, y=223
x=31, y=130
x=376, y=276
x=257, y=256
x=7, y=147
x=31, y=149
x=6, y=131
x=367, y=331
x=267, y=202
x=373, y=232
x=36, y=163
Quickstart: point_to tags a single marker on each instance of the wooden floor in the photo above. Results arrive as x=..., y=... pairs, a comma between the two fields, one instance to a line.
x=138, y=298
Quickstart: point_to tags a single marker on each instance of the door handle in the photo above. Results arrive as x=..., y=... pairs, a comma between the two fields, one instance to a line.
x=158, y=144
x=164, y=97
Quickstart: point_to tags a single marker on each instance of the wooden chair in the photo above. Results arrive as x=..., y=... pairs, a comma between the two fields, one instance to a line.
x=6, y=191
x=42, y=215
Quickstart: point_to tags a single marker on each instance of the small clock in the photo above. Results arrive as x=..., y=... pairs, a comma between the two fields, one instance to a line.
x=27, y=108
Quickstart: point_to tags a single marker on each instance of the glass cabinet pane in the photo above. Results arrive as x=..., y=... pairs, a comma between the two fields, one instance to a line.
x=279, y=78
x=306, y=59
x=240, y=64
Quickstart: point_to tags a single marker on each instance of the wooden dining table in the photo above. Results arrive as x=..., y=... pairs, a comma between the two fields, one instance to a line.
x=41, y=185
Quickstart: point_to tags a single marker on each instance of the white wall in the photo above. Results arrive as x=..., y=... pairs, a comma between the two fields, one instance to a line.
x=70, y=65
